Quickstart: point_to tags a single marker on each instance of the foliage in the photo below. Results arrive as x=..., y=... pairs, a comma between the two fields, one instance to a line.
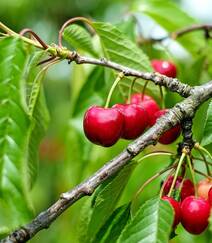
x=65, y=156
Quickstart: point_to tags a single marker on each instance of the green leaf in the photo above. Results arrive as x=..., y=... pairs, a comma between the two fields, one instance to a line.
x=112, y=228
x=119, y=48
x=14, y=132
x=104, y=201
x=79, y=38
x=39, y=115
x=171, y=18
x=207, y=135
x=152, y=223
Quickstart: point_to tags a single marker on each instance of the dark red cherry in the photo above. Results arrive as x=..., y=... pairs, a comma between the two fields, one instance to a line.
x=103, y=126
x=169, y=136
x=176, y=206
x=135, y=120
x=147, y=102
x=187, y=187
x=164, y=67
x=195, y=212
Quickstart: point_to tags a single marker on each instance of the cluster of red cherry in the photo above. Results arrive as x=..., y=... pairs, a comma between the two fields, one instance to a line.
x=192, y=211
x=104, y=126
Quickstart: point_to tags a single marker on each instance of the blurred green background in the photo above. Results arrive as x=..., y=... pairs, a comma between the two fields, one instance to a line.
x=61, y=164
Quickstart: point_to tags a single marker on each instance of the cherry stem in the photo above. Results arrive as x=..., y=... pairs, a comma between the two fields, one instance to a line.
x=201, y=150
x=192, y=172
x=153, y=178
x=144, y=89
x=162, y=97
x=119, y=77
x=25, y=31
x=163, y=185
x=203, y=174
x=205, y=161
x=176, y=173
x=69, y=22
x=202, y=160
x=154, y=154
x=130, y=90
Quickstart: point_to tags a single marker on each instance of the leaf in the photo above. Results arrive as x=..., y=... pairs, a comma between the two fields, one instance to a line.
x=111, y=230
x=207, y=135
x=119, y=48
x=104, y=201
x=14, y=132
x=79, y=38
x=171, y=18
x=152, y=223
x=39, y=116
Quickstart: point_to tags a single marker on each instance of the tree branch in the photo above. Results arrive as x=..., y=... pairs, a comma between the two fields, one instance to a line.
x=172, y=84
x=176, y=34
x=175, y=115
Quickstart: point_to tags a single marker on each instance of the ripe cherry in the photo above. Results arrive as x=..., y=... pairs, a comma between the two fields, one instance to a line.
x=210, y=196
x=169, y=136
x=103, y=126
x=187, y=187
x=203, y=188
x=164, y=67
x=195, y=212
x=147, y=102
x=176, y=206
x=135, y=120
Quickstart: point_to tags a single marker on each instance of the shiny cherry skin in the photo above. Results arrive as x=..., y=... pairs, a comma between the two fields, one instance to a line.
x=195, y=212
x=176, y=206
x=203, y=188
x=187, y=187
x=165, y=67
x=169, y=136
x=103, y=126
x=210, y=196
x=147, y=102
x=135, y=120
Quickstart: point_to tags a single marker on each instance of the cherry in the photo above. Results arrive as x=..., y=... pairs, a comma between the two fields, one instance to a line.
x=135, y=120
x=103, y=126
x=176, y=206
x=147, y=102
x=169, y=136
x=210, y=196
x=164, y=67
x=187, y=187
x=195, y=212
x=203, y=188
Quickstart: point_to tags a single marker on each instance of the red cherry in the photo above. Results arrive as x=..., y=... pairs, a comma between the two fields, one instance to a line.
x=135, y=120
x=169, y=136
x=194, y=214
x=210, y=196
x=103, y=126
x=147, y=102
x=176, y=207
x=203, y=188
x=187, y=187
x=164, y=67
